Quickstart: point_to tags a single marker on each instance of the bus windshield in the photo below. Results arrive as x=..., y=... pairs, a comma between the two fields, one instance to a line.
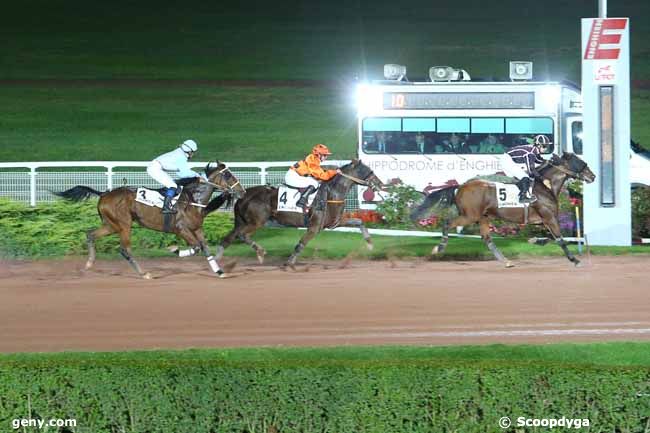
x=446, y=135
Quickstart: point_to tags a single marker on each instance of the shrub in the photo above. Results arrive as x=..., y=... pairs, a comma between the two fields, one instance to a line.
x=397, y=205
x=59, y=228
x=641, y=213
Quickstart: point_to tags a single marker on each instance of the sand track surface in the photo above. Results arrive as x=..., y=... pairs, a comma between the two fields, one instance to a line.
x=54, y=305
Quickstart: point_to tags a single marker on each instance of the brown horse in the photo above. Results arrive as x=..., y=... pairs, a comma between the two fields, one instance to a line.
x=259, y=206
x=118, y=209
x=476, y=202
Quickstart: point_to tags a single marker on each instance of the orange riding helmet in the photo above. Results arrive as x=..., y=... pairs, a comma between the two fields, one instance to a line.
x=320, y=149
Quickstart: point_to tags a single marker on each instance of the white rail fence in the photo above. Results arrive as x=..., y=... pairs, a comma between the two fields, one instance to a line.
x=34, y=182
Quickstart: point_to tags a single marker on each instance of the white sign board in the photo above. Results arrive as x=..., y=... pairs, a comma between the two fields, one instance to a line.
x=606, y=123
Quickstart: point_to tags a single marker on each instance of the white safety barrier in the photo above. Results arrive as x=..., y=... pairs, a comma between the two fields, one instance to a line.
x=34, y=182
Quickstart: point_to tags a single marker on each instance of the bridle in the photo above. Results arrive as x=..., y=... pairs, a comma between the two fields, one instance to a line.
x=229, y=188
x=571, y=173
x=358, y=181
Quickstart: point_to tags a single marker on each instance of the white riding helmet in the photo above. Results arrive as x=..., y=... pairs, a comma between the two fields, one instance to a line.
x=189, y=146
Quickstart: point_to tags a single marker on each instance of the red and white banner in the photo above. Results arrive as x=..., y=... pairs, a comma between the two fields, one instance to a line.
x=604, y=41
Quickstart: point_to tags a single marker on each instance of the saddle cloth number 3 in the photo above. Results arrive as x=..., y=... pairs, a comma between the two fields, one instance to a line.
x=150, y=197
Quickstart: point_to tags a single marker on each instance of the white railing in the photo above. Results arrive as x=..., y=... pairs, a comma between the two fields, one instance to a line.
x=34, y=182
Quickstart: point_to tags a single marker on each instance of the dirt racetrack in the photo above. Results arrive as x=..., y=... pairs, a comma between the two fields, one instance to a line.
x=56, y=306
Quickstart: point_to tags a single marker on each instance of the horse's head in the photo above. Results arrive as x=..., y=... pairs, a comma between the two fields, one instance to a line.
x=220, y=176
x=574, y=166
x=358, y=170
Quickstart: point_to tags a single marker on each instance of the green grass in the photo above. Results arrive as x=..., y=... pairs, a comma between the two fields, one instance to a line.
x=230, y=123
x=332, y=245
x=297, y=38
x=124, y=123
x=293, y=40
x=602, y=354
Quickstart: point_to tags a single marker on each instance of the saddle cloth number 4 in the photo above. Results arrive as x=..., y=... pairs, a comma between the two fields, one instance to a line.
x=288, y=197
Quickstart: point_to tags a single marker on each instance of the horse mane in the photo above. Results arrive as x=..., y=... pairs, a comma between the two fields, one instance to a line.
x=217, y=202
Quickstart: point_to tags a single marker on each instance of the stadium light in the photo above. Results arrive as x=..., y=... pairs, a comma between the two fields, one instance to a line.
x=368, y=98
x=550, y=96
x=447, y=73
x=521, y=71
x=394, y=72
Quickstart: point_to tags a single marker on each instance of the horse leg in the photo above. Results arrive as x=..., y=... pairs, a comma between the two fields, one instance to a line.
x=311, y=232
x=484, y=225
x=553, y=227
x=91, y=237
x=355, y=222
x=462, y=220
x=197, y=237
x=225, y=243
x=125, y=251
x=245, y=237
x=442, y=245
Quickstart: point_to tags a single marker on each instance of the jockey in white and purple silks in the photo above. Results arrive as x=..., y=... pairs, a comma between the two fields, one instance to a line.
x=522, y=165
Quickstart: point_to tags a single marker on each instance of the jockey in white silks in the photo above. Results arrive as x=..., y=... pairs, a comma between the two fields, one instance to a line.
x=176, y=162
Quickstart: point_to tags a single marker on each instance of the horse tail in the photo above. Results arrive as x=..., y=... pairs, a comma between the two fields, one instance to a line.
x=438, y=200
x=78, y=193
x=217, y=202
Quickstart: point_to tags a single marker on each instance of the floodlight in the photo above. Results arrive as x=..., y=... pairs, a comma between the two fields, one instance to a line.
x=368, y=99
x=441, y=73
x=447, y=73
x=521, y=70
x=394, y=72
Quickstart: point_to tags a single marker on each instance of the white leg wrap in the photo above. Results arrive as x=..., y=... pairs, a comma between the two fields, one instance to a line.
x=186, y=253
x=214, y=265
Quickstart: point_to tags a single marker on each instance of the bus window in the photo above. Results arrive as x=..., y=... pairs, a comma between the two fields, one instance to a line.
x=451, y=135
x=576, y=137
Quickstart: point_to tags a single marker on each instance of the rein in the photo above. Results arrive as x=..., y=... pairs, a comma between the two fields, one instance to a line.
x=566, y=170
x=355, y=179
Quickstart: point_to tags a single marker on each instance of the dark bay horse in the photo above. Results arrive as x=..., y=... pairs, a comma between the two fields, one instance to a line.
x=476, y=202
x=259, y=206
x=118, y=209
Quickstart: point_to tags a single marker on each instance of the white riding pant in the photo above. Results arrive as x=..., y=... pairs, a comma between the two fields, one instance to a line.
x=156, y=171
x=512, y=169
x=294, y=179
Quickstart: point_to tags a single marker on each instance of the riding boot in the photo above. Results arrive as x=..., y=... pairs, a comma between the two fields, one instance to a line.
x=167, y=205
x=302, y=201
x=524, y=186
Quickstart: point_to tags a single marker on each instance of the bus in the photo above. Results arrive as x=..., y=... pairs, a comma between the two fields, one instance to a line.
x=445, y=131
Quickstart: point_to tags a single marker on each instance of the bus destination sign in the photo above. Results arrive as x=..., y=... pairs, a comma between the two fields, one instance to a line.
x=458, y=100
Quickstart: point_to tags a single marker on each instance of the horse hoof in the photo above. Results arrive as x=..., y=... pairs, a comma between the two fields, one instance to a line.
x=509, y=264
x=147, y=276
x=577, y=264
